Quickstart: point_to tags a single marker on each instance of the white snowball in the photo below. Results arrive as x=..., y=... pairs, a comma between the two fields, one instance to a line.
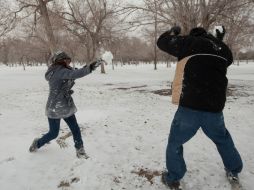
x=107, y=56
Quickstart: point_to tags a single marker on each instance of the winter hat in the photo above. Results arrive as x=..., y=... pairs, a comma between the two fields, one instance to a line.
x=59, y=56
x=198, y=31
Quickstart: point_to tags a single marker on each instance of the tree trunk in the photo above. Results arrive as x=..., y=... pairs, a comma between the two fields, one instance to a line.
x=98, y=51
x=113, y=65
x=155, y=36
x=103, y=69
x=168, y=64
x=88, y=52
x=48, y=26
x=47, y=58
x=21, y=62
x=6, y=54
x=237, y=58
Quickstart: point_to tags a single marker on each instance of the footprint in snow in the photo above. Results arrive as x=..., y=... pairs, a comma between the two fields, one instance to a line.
x=7, y=160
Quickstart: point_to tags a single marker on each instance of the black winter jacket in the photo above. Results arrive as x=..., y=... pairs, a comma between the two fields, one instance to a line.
x=204, y=79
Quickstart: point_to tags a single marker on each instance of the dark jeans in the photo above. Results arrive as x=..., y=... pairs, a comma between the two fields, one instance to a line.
x=54, y=126
x=184, y=126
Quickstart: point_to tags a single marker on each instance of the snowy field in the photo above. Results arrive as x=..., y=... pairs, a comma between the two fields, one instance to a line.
x=125, y=128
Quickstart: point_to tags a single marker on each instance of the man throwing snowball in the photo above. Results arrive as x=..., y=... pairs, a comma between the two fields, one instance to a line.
x=204, y=60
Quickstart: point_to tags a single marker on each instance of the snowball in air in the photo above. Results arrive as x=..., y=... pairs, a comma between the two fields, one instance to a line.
x=107, y=56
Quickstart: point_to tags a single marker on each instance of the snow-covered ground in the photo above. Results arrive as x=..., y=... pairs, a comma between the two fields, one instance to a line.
x=125, y=130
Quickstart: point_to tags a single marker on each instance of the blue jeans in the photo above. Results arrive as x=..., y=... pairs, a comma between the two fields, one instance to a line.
x=184, y=126
x=54, y=126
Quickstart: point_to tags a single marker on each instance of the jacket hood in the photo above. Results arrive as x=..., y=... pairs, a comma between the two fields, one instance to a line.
x=51, y=71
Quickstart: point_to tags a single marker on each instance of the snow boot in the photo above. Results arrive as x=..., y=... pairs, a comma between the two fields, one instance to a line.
x=34, y=145
x=172, y=185
x=80, y=152
x=233, y=178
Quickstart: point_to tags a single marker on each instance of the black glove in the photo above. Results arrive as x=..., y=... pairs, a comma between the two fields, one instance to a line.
x=176, y=30
x=220, y=35
x=95, y=64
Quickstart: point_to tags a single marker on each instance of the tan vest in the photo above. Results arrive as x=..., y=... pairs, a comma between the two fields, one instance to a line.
x=178, y=80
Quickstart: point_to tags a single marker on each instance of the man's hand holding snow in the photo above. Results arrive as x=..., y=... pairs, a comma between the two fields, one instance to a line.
x=219, y=32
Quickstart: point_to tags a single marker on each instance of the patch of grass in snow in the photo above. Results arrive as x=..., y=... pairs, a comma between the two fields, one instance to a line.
x=65, y=183
x=148, y=174
x=163, y=92
x=129, y=88
x=117, y=180
x=237, y=91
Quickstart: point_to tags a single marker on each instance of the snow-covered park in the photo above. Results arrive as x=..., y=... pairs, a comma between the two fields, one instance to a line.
x=125, y=125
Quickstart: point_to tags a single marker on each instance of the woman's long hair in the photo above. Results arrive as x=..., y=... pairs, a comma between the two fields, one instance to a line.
x=63, y=63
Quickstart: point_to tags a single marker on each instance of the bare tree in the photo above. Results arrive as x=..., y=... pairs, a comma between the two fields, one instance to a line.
x=155, y=34
x=148, y=15
x=83, y=27
x=240, y=26
x=193, y=13
x=6, y=51
x=38, y=9
x=48, y=27
x=92, y=22
x=7, y=22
